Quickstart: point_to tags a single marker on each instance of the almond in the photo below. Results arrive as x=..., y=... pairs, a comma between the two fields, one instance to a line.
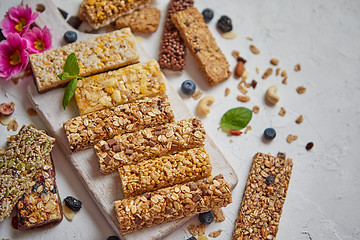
x=239, y=69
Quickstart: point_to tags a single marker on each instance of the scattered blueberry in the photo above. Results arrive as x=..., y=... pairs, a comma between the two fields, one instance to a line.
x=113, y=238
x=191, y=238
x=70, y=36
x=309, y=146
x=270, y=180
x=224, y=24
x=188, y=87
x=73, y=203
x=206, y=217
x=208, y=14
x=269, y=133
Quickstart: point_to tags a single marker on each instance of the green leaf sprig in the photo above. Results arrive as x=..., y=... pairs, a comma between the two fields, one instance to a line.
x=235, y=119
x=71, y=71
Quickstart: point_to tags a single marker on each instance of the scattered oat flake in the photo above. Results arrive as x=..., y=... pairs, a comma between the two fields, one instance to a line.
x=13, y=125
x=215, y=234
x=247, y=85
x=301, y=89
x=297, y=67
x=202, y=238
x=31, y=112
x=274, y=61
x=284, y=73
x=227, y=91
x=249, y=38
x=267, y=73
x=291, y=138
x=284, y=81
x=229, y=35
x=257, y=70
x=243, y=98
x=4, y=120
x=282, y=111
x=193, y=230
x=248, y=128
x=242, y=89
x=256, y=109
x=277, y=72
x=218, y=215
x=235, y=54
x=254, y=49
x=300, y=119
x=201, y=229
x=196, y=95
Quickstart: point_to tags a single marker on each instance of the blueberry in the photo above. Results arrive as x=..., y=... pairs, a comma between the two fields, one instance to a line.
x=73, y=203
x=270, y=180
x=208, y=14
x=192, y=238
x=224, y=24
x=113, y=238
x=188, y=87
x=206, y=217
x=70, y=36
x=269, y=133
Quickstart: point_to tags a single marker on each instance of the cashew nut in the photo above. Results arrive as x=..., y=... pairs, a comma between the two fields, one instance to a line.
x=203, y=105
x=271, y=95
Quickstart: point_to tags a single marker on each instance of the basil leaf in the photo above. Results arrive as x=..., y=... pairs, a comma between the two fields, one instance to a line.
x=236, y=119
x=69, y=92
x=63, y=76
x=71, y=65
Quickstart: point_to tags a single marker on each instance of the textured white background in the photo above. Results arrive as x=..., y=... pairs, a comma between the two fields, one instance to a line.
x=324, y=194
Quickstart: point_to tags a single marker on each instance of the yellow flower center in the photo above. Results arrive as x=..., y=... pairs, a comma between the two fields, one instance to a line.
x=21, y=24
x=39, y=44
x=15, y=58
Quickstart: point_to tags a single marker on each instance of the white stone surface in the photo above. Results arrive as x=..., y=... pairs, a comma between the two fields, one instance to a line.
x=324, y=193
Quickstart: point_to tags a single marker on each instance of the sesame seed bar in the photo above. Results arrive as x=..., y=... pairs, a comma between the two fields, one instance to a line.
x=99, y=13
x=202, y=45
x=41, y=203
x=148, y=176
x=172, y=48
x=24, y=156
x=84, y=131
x=124, y=85
x=99, y=54
x=171, y=203
x=264, y=197
x=131, y=148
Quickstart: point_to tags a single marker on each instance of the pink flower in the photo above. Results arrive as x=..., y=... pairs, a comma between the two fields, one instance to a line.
x=13, y=55
x=38, y=40
x=17, y=20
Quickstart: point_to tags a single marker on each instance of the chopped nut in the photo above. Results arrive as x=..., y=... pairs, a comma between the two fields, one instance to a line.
x=274, y=61
x=235, y=54
x=297, y=67
x=227, y=91
x=243, y=98
x=257, y=70
x=284, y=81
x=309, y=146
x=256, y=109
x=31, y=112
x=239, y=69
x=245, y=75
x=283, y=73
x=68, y=213
x=267, y=73
x=299, y=119
x=218, y=215
x=291, y=138
x=301, y=89
x=242, y=89
x=248, y=128
x=229, y=35
x=197, y=95
x=277, y=72
x=13, y=125
x=249, y=38
x=282, y=111
x=215, y=234
x=254, y=49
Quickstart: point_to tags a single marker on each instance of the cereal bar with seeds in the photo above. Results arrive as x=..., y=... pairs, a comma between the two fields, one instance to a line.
x=121, y=86
x=41, y=204
x=202, y=45
x=131, y=148
x=264, y=197
x=144, y=20
x=99, y=13
x=24, y=156
x=172, y=48
x=168, y=204
x=84, y=131
x=95, y=55
x=148, y=176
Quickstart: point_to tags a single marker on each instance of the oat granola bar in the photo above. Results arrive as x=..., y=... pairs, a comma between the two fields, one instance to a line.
x=148, y=176
x=144, y=20
x=41, y=204
x=202, y=45
x=264, y=197
x=24, y=156
x=172, y=48
x=99, y=54
x=171, y=203
x=84, y=131
x=124, y=85
x=99, y=13
x=131, y=148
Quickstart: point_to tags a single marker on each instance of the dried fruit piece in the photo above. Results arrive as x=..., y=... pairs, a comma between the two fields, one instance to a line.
x=73, y=203
x=254, y=49
x=224, y=24
x=309, y=145
x=235, y=132
x=291, y=138
x=113, y=238
x=253, y=83
x=7, y=109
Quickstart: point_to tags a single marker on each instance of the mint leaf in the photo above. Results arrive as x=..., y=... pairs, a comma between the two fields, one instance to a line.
x=69, y=92
x=236, y=119
x=63, y=76
x=71, y=65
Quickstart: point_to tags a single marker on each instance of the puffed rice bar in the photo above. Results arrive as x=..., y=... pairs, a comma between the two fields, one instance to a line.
x=148, y=176
x=171, y=203
x=125, y=85
x=95, y=55
x=84, y=131
x=264, y=197
x=24, y=156
x=131, y=148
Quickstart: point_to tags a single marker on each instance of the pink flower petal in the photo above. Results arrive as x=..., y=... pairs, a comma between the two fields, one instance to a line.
x=38, y=40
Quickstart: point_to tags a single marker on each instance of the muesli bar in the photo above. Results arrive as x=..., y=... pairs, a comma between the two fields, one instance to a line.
x=131, y=148
x=95, y=55
x=84, y=131
x=124, y=85
x=202, y=45
x=41, y=203
x=264, y=197
x=171, y=203
x=172, y=48
x=24, y=156
x=99, y=13
x=148, y=176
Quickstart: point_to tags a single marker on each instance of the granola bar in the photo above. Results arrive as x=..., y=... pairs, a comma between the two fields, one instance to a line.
x=264, y=197
x=131, y=148
x=84, y=131
x=147, y=176
x=172, y=48
x=144, y=20
x=99, y=54
x=171, y=203
x=202, y=45
x=24, y=156
x=99, y=13
x=41, y=203
x=124, y=85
